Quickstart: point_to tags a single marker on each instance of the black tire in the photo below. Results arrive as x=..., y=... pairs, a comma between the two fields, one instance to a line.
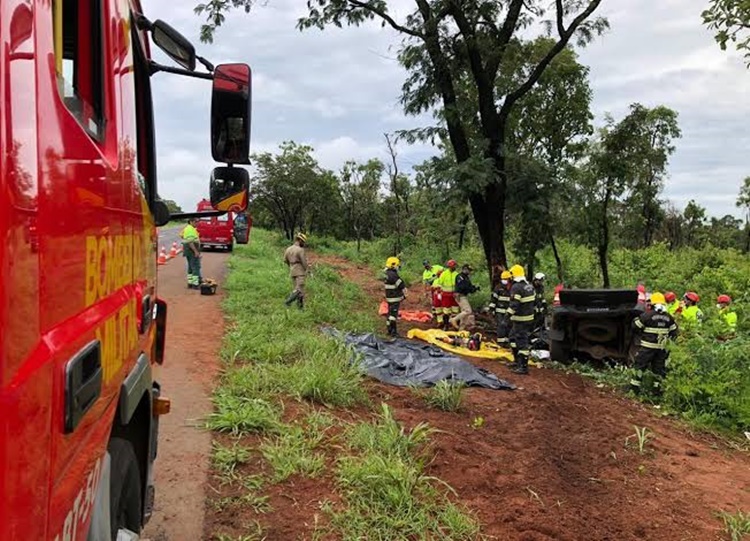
x=125, y=504
x=559, y=352
x=230, y=247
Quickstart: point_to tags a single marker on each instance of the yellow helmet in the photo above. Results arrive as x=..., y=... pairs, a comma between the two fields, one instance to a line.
x=516, y=271
x=301, y=236
x=392, y=263
x=658, y=298
x=506, y=275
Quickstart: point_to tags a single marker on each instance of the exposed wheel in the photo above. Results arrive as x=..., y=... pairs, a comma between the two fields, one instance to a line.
x=559, y=352
x=230, y=247
x=125, y=505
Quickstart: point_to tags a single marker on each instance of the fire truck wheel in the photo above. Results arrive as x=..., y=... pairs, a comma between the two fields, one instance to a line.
x=124, y=488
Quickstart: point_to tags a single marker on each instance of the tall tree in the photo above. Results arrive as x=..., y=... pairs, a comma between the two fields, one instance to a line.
x=360, y=184
x=445, y=41
x=743, y=202
x=292, y=187
x=397, y=203
x=694, y=217
x=730, y=19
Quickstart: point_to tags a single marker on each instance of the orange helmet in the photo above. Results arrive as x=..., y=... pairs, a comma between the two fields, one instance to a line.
x=724, y=299
x=692, y=296
x=452, y=264
x=670, y=296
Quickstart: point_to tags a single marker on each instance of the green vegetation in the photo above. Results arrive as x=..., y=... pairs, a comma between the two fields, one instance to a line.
x=387, y=494
x=737, y=525
x=293, y=452
x=445, y=395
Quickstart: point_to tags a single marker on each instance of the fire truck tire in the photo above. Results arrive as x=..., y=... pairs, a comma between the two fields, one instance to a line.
x=125, y=504
x=230, y=247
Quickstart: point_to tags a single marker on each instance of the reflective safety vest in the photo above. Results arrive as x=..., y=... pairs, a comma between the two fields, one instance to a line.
x=447, y=281
x=692, y=314
x=431, y=274
x=522, y=298
x=655, y=328
x=394, y=286
x=674, y=308
x=189, y=234
x=729, y=319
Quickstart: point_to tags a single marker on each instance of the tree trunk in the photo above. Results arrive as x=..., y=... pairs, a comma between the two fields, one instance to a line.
x=462, y=231
x=747, y=236
x=558, y=261
x=603, y=247
x=489, y=214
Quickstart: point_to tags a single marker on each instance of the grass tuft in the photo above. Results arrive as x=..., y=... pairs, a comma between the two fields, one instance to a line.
x=292, y=452
x=445, y=395
x=239, y=415
x=736, y=525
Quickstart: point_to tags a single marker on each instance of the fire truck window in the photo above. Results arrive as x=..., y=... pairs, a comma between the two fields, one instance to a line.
x=78, y=60
x=223, y=218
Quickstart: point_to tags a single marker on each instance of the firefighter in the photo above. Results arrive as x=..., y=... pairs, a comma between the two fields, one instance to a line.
x=540, y=303
x=394, y=293
x=691, y=314
x=728, y=317
x=296, y=260
x=673, y=305
x=191, y=244
x=464, y=288
x=430, y=274
x=499, y=306
x=521, y=315
x=656, y=328
x=447, y=284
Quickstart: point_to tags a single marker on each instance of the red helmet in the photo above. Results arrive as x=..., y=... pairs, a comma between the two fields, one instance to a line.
x=692, y=296
x=669, y=296
x=452, y=264
x=724, y=299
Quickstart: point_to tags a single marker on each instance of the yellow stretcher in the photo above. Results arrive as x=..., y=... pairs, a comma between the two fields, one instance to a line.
x=488, y=350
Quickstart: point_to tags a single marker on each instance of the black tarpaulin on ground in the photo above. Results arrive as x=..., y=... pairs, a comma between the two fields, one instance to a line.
x=405, y=362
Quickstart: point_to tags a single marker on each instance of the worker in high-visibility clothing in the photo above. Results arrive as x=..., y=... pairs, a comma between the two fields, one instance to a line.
x=691, y=315
x=191, y=250
x=521, y=315
x=727, y=315
x=655, y=327
x=447, y=284
x=430, y=274
x=394, y=293
x=673, y=305
x=499, y=302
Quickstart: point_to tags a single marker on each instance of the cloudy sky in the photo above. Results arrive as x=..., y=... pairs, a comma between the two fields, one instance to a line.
x=338, y=91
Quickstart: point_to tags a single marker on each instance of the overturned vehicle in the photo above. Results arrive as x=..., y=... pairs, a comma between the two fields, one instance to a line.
x=594, y=324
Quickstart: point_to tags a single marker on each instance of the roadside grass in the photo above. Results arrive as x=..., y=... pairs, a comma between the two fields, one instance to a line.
x=273, y=353
x=386, y=493
x=736, y=525
x=445, y=395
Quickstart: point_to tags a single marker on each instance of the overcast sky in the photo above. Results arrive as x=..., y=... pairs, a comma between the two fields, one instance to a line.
x=338, y=91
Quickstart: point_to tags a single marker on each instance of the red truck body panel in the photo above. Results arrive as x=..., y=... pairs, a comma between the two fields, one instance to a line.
x=215, y=231
x=77, y=258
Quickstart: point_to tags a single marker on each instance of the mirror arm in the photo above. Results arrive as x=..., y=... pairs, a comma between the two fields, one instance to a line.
x=207, y=213
x=155, y=67
x=208, y=65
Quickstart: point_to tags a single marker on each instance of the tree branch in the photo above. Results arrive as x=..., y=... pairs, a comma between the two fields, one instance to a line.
x=560, y=17
x=504, y=36
x=521, y=91
x=385, y=17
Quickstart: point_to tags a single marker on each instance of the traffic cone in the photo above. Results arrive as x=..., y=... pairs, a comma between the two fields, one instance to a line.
x=173, y=250
x=162, y=256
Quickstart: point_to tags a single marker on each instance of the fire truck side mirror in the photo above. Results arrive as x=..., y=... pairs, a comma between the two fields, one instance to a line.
x=229, y=189
x=175, y=45
x=161, y=213
x=231, y=114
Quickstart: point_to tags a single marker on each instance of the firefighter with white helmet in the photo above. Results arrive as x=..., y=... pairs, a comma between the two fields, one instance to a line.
x=655, y=328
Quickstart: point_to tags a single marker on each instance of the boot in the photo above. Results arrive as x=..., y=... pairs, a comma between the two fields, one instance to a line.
x=301, y=302
x=523, y=365
x=291, y=298
x=514, y=364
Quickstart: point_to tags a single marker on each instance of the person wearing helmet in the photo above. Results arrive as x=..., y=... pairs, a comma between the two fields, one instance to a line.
x=447, y=284
x=499, y=302
x=673, y=305
x=655, y=328
x=191, y=250
x=394, y=293
x=556, y=296
x=727, y=315
x=521, y=315
x=692, y=316
x=464, y=288
x=540, y=303
x=430, y=274
x=641, y=295
x=296, y=260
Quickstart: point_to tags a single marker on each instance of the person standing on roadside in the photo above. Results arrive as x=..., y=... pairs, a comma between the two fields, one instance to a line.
x=296, y=260
x=655, y=329
x=395, y=293
x=521, y=315
x=191, y=250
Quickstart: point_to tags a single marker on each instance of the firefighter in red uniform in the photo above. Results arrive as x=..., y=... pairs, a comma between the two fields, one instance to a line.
x=447, y=284
x=655, y=328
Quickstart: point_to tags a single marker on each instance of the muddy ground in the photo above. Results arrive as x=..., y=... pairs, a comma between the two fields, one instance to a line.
x=556, y=459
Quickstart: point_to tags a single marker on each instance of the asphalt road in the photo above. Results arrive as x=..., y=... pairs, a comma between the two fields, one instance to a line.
x=168, y=235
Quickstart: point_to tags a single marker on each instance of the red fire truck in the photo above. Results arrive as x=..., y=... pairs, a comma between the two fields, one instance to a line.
x=215, y=231
x=82, y=331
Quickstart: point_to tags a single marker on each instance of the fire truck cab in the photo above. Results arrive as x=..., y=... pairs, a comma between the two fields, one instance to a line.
x=82, y=329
